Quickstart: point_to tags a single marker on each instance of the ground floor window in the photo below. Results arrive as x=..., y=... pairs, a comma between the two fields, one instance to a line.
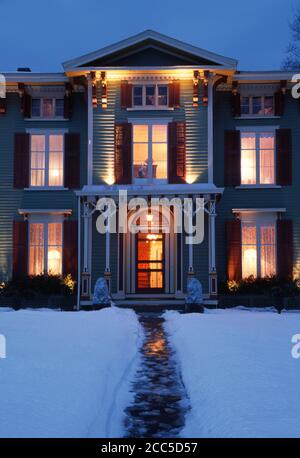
x=45, y=248
x=258, y=246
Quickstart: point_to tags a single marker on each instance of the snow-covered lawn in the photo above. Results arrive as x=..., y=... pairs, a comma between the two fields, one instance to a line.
x=66, y=374
x=239, y=373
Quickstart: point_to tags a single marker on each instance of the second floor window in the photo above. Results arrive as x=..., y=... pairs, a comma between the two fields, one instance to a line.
x=46, y=160
x=150, y=150
x=47, y=108
x=257, y=106
x=257, y=158
x=150, y=95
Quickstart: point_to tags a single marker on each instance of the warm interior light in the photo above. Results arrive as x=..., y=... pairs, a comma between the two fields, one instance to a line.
x=55, y=173
x=110, y=180
x=152, y=237
x=190, y=179
x=249, y=262
x=54, y=259
x=149, y=218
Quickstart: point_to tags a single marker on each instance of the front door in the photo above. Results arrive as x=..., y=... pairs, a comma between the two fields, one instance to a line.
x=150, y=269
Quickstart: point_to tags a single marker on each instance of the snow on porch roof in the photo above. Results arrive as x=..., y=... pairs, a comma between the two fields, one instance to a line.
x=159, y=39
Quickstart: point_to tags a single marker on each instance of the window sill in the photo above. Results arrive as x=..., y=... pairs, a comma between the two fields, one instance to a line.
x=258, y=186
x=46, y=188
x=46, y=119
x=150, y=109
x=257, y=117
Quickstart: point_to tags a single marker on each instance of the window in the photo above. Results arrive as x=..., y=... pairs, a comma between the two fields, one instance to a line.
x=150, y=150
x=258, y=248
x=47, y=108
x=150, y=95
x=257, y=105
x=46, y=159
x=45, y=248
x=257, y=158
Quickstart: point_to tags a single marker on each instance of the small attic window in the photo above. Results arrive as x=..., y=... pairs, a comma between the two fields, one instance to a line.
x=45, y=107
x=150, y=96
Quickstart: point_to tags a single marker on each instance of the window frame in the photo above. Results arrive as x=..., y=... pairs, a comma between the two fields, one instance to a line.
x=156, y=106
x=262, y=97
x=149, y=123
x=41, y=116
x=259, y=220
x=258, y=130
x=45, y=220
x=47, y=133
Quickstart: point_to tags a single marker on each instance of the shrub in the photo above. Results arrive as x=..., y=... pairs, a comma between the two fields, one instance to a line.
x=29, y=287
x=270, y=286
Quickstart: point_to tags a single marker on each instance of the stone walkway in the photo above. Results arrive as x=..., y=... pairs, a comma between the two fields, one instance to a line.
x=160, y=400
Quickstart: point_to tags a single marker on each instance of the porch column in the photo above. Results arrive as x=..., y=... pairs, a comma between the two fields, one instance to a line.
x=86, y=275
x=213, y=281
x=90, y=129
x=191, y=272
x=107, y=272
x=79, y=253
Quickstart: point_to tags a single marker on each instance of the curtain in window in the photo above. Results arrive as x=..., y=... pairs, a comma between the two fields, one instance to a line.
x=248, y=158
x=55, y=248
x=37, y=160
x=249, y=251
x=36, y=250
x=159, y=152
x=266, y=151
x=267, y=251
x=56, y=160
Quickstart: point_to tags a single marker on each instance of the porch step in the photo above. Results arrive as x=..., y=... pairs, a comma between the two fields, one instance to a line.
x=151, y=305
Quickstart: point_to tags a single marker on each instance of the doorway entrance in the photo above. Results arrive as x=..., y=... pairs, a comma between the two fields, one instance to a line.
x=150, y=264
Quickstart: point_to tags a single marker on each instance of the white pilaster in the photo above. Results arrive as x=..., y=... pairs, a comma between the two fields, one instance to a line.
x=90, y=131
x=212, y=248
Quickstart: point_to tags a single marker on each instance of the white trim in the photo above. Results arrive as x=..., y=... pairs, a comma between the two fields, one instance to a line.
x=150, y=121
x=268, y=128
x=90, y=132
x=264, y=76
x=253, y=117
x=34, y=211
x=258, y=210
x=46, y=188
x=32, y=77
x=79, y=253
x=259, y=186
x=177, y=189
x=47, y=131
x=149, y=34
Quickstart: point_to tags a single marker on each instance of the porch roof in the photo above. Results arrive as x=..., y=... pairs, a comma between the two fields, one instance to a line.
x=155, y=190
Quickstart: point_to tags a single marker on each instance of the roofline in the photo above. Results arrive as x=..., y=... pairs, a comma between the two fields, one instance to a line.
x=264, y=75
x=74, y=71
x=150, y=34
x=31, y=77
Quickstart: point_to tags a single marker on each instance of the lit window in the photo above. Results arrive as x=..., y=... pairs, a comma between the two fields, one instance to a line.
x=257, y=106
x=47, y=108
x=258, y=249
x=45, y=248
x=257, y=158
x=150, y=95
x=150, y=150
x=46, y=165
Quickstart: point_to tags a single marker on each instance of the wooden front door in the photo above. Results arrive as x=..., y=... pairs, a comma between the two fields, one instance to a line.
x=150, y=266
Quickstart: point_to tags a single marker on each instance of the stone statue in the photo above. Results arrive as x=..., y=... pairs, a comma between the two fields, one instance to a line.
x=194, y=298
x=101, y=293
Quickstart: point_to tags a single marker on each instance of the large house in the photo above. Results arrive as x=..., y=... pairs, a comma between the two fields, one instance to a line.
x=158, y=118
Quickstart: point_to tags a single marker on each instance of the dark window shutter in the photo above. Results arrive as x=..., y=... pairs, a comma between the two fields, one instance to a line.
x=70, y=250
x=232, y=158
x=234, y=249
x=20, y=248
x=284, y=171
x=123, y=156
x=2, y=106
x=174, y=94
x=72, y=161
x=176, y=152
x=285, y=249
x=236, y=104
x=26, y=105
x=126, y=95
x=68, y=105
x=279, y=103
x=21, y=160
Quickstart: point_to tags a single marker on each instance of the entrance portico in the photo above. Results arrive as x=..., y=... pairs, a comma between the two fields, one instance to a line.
x=155, y=260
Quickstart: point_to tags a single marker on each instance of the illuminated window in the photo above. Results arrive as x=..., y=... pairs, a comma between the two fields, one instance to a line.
x=45, y=248
x=46, y=160
x=150, y=151
x=47, y=108
x=257, y=158
x=257, y=106
x=150, y=95
x=258, y=248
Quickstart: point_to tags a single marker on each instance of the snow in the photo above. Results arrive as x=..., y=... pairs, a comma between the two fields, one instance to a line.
x=239, y=373
x=67, y=374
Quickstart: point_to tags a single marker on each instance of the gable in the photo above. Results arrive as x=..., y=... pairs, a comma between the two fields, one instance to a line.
x=148, y=54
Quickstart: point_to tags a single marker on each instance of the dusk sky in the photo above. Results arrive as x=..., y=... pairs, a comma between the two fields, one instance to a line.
x=42, y=35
